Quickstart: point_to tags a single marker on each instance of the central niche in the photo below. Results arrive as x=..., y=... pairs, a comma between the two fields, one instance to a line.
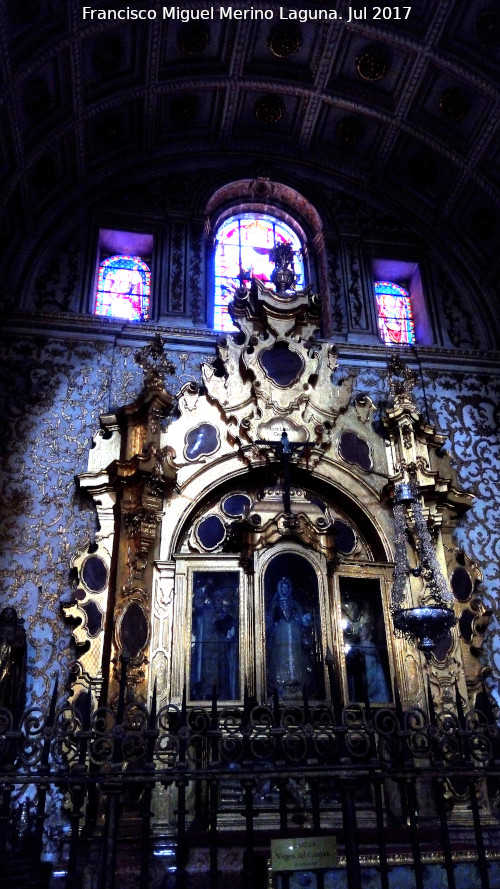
x=292, y=629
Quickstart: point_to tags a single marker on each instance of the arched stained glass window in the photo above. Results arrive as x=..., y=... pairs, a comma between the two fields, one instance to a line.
x=395, y=319
x=123, y=288
x=243, y=244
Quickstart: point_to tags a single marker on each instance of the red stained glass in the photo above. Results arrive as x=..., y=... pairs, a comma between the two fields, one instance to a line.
x=395, y=319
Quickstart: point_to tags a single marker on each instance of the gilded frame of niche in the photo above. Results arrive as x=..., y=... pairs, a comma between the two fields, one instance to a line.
x=184, y=642
x=365, y=571
x=262, y=561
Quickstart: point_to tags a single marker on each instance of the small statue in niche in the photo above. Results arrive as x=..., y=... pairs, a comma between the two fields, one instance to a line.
x=366, y=673
x=215, y=642
x=290, y=644
x=12, y=661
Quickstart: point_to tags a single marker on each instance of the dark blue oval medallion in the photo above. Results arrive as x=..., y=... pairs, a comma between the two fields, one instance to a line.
x=236, y=504
x=461, y=584
x=95, y=574
x=134, y=630
x=201, y=441
x=282, y=365
x=211, y=532
x=345, y=537
x=354, y=449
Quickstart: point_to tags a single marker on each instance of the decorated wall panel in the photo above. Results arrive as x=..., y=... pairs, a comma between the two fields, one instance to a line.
x=53, y=395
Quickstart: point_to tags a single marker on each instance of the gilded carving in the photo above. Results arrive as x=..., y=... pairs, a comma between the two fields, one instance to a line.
x=252, y=392
x=195, y=274
x=67, y=386
x=357, y=310
x=177, y=268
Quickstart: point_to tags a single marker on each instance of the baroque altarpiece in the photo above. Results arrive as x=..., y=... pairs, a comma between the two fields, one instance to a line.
x=257, y=539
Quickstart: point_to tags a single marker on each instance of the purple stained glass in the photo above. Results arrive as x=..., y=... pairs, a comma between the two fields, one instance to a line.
x=123, y=288
x=243, y=245
x=395, y=319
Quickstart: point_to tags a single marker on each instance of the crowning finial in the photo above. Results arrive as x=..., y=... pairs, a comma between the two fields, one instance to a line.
x=283, y=277
x=154, y=362
x=401, y=378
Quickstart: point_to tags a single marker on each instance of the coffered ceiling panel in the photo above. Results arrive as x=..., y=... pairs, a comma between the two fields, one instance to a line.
x=182, y=112
x=44, y=98
x=114, y=60
x=194, y=49
x=454, y=109
x=370, y=72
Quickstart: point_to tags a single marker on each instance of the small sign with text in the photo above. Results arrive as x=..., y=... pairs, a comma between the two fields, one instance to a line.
x=304, y=853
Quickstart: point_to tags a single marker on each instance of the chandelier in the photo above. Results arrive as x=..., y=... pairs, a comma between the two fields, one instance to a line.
x=430, y=621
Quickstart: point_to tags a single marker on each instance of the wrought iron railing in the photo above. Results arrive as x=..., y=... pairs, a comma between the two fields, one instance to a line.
x=391, y=785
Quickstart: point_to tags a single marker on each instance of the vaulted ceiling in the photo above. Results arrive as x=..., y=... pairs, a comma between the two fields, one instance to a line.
x=402, y=112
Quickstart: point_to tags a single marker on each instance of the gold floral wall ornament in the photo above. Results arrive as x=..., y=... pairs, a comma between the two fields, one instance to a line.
x=401, y=378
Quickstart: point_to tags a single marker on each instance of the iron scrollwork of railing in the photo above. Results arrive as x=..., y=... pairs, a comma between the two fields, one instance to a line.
x=298, y=764
x=285, y=735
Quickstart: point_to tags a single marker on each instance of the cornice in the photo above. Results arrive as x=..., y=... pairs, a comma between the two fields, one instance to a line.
x=87, y=329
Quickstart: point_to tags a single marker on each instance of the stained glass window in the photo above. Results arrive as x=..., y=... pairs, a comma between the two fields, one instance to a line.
x=243, y=244
x=123, y=288
x=395, y=319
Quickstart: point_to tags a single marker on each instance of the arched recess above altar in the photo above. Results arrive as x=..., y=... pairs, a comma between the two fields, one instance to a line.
x=240, y=525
